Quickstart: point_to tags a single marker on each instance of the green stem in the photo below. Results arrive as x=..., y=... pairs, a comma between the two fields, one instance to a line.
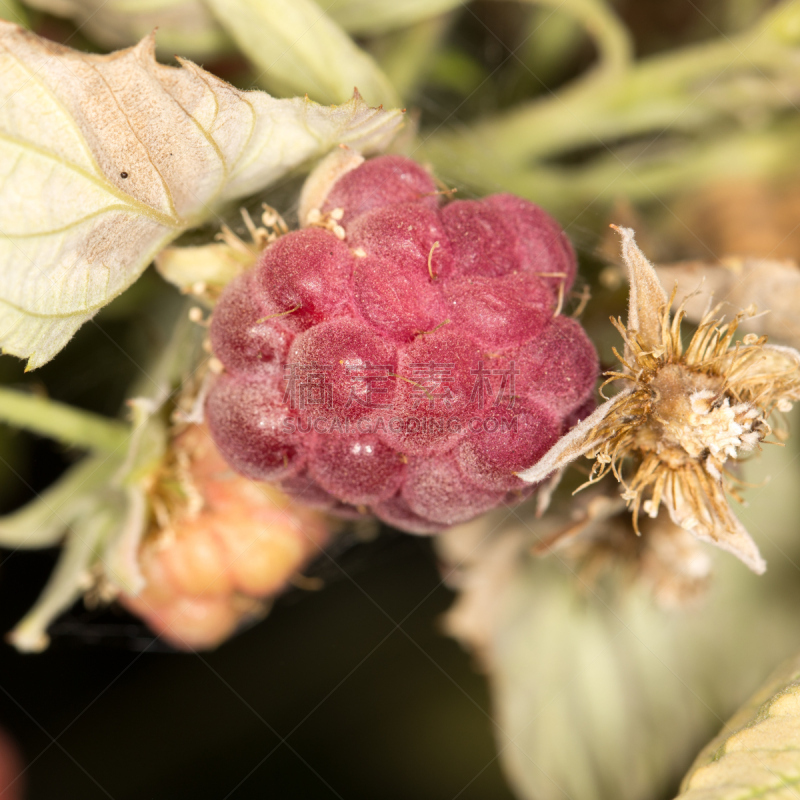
x=561, y=189
x=67, y=582
x=43, y=521
x=550, y=45
x=613, y=41
x=405, y=54
x=683, y=91
x=61, y=422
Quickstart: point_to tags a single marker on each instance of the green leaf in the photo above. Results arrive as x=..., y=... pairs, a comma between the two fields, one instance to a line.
x=12, y=11
x=379, y=16
x=300, y=50
x=70, y=577
x=184, y=26
x=592, y=700
x=597, y=699
x=106, y=159
x=757, y=753
x=43, y=521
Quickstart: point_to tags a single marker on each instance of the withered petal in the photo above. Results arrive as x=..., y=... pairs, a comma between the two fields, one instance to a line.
x=703, y=510
x=579, y=441
x=779, y=357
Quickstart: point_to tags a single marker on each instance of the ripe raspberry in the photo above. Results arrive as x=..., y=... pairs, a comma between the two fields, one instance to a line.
x=315, y=295
x=248, y=419
x=238, y=334
x=401, y=357
x=380, y=182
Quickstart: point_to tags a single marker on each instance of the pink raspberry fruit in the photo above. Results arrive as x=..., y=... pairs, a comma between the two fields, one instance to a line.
x=402, y=357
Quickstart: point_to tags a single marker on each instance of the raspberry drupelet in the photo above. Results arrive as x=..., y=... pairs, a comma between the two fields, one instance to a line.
x=402, y=357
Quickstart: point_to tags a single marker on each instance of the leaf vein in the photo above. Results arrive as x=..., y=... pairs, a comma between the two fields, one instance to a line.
x=136, y=136
x=64, y=110
x=102, y=183
x=68, y=226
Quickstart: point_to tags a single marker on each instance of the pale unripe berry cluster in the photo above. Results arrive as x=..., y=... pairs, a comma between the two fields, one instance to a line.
x=211, y=566
x=404, y=357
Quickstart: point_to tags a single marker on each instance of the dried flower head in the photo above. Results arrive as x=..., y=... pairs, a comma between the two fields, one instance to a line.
x=683, y=414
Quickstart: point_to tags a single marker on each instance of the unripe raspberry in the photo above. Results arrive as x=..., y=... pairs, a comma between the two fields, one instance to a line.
x=228, y=545
x=425, y=360
x=196, y=562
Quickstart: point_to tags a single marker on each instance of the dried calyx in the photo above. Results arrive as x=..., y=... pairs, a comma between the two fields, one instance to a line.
x=683, y=413
x=598, y=541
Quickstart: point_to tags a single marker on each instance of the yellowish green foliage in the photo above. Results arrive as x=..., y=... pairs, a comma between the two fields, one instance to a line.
x=12, y=11
x=185, y=27
x=749, y=74
x=379, y=16
x=757, y=754
x=297, y=49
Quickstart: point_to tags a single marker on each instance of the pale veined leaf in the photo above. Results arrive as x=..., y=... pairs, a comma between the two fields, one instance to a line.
x=106, y=159
x=757, y=753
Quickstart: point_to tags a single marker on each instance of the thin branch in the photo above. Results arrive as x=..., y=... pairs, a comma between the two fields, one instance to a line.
x=66, y=424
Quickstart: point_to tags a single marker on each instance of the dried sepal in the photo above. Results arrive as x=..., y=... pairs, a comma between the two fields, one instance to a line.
x=647, y=298
x=337, y=163
x=699, y=506
x=683, y=413
x=581, y=440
